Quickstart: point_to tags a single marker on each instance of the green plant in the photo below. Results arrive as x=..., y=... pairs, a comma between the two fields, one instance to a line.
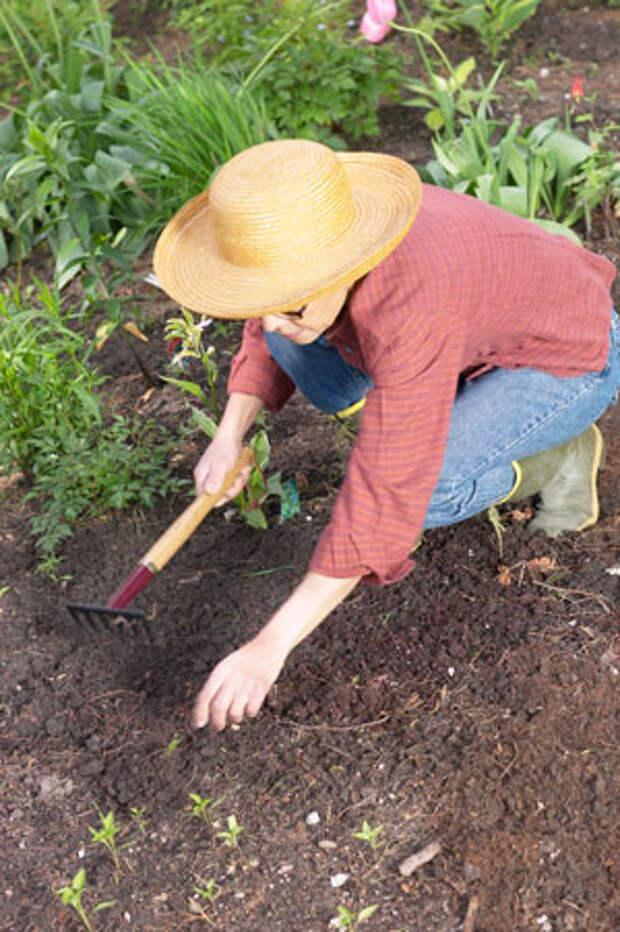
x=347, y=919
x=203, y=806
x=186, y=338
x=181, y=122
x=63, y=181
x=597, y=183
x=46, y=381
x=370, y=835
x=230, y=835
x=72, y=896
x=85, y=475
x=137, y=814
x=445, y=98
x=527, y=173
x=106, y=835
x=210, y=891
x=44, y=30
x=493, y=20
x=317, y=77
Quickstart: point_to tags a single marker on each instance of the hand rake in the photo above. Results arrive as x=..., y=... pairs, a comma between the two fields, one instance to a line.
x=115, y=616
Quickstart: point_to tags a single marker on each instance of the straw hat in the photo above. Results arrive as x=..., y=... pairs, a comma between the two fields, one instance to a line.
x=283, y=223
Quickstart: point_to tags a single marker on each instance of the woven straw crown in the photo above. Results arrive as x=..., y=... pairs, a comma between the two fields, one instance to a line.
x=282, y=223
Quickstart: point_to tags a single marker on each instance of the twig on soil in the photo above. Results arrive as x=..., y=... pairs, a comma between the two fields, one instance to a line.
x=565, y=593
x=470, y=917
x=384, y=717
x=509, y=766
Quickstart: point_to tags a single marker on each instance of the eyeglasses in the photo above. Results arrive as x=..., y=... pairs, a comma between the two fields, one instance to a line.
x=296, y=314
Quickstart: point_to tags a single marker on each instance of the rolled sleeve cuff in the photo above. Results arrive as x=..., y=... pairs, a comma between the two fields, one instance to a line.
x=372, y=575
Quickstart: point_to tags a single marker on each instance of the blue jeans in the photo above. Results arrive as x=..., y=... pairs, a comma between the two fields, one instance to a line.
x=320, y=373
x=502, y=416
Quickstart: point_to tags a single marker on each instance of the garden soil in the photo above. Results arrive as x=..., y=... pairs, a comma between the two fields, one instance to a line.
x=473, y=705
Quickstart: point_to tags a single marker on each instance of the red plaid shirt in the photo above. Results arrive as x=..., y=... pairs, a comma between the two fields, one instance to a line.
x=469, y=288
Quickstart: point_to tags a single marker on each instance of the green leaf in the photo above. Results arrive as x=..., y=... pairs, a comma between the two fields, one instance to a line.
x=190, y=387
x=255, y=517
x=89, y=402
x=91, y=94
x=434, y=120
x=8, y=133
x=514, y=199
x=260, y=445
x=69, y=260
x=73, y=69
x=112, y=170
x=463, y=71
x=558, y=229
x=567, y=149
x=4, y=253
x=28, y=165
x=205, y=423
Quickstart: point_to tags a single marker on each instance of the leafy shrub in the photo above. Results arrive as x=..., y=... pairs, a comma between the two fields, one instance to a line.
x=62, y=180
x=46, y=380
x=318, y=77
x=83, y=477
x=52, y=428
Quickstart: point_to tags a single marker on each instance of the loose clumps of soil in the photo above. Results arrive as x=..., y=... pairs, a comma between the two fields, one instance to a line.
x=473, y=705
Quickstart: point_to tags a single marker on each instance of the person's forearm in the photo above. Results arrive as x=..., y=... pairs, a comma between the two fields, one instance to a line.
x=239, y=414
x=307, y=606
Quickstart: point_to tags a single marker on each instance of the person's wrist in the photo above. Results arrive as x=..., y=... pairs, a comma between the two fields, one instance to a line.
x=273, y=643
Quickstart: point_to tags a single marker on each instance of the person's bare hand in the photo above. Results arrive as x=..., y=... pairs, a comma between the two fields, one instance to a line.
x=238, y=685
x=212, y=467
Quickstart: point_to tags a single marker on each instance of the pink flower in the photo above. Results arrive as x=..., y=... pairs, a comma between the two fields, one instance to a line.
x=375, y=24
x=373, y=32
x=381, y=11
x=577, y=91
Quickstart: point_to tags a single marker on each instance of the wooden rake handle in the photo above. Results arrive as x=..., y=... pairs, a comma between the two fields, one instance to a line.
x=180, y=530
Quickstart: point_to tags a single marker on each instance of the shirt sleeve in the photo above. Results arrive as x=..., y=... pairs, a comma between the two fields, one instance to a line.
x=254, y=371
x=379, y=511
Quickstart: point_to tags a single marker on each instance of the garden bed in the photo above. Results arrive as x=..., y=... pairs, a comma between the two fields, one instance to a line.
x=474, y=704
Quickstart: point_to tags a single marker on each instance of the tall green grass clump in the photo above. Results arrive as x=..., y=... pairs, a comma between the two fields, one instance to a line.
x=182, y=122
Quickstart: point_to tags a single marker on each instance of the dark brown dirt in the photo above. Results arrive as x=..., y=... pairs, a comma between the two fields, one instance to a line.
x=473, y=704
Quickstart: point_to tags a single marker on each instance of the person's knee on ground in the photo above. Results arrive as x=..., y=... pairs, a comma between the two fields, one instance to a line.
x=565, y=477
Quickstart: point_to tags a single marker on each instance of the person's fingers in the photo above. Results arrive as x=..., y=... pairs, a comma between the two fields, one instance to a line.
x=237, y=709
x=219, y=708
x=200, y=712
x=254, y=703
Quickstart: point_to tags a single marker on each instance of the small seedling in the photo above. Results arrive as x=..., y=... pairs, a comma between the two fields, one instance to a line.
x=349, y=920
x=202, y=806
x=137, y=814
x=72, y=896
x=106, y=835
x=230, y=836
x=495, y=521
x=370, y=835
x=173, y=745
x=209, y=892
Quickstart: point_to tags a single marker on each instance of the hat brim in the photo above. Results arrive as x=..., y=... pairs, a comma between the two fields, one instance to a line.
x=386, y=195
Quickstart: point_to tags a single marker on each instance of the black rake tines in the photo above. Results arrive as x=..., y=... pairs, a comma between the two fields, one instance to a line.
x=124, y=622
